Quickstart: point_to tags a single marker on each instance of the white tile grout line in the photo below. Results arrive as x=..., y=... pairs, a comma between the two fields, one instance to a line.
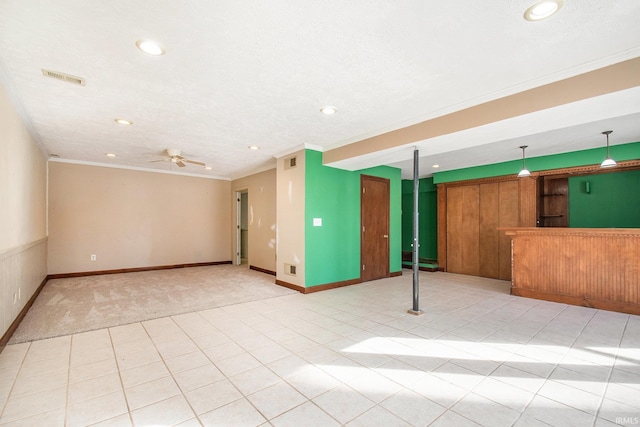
x=240, y=391
x=325, y=305
x=124, y=394
x=15, y=379
x=606, y=387
x=66, y=401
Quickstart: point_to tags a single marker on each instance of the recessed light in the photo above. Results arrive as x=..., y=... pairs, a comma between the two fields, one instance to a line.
x=109, y=154
x=328, y=110
x=123, y=122
x=254, y=147
x=435, y=166
x=150, y=47
x=208, y=168
x=542, y=9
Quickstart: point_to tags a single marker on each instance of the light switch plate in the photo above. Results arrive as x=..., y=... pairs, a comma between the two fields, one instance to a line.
x=317, y=222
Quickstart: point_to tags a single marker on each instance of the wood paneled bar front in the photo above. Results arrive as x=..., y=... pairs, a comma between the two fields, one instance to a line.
x=592, y=267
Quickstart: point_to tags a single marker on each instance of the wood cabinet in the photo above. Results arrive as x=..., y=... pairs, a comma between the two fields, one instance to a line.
x=469, y=213
x=469, y=240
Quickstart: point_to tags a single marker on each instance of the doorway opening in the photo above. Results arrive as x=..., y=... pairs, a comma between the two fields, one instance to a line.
x=242, y=227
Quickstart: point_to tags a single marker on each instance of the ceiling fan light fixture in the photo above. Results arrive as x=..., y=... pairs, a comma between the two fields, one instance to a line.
x=150, y=47
x=608, y=162
x=254, y=147
x=110, y=155
x=208, y=168
x=542, y=10
x=124, y=122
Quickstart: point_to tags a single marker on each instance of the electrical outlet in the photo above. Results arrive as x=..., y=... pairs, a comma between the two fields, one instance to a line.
x=93, y=257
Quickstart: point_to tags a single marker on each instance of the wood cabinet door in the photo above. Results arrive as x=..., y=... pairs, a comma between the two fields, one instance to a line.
x=489, y=222
x=463, y=238
x=474, y=213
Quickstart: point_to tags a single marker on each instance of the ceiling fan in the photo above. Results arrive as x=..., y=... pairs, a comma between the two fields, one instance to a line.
x=175, y=158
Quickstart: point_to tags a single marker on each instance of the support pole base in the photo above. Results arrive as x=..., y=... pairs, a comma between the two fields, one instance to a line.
x=416, y=313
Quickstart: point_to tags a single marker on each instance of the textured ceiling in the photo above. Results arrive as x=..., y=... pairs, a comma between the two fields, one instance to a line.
x=241, y=73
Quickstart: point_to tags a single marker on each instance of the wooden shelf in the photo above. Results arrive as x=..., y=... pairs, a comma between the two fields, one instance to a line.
x=553, y=202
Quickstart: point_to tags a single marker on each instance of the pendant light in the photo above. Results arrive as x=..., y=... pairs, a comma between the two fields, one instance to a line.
x=608, y=162
x=524, y=172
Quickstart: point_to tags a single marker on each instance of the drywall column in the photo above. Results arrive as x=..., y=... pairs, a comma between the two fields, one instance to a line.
x=290, y=219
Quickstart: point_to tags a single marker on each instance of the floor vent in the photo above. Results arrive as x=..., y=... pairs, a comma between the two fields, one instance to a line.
x=289, y=269
x=64, y=77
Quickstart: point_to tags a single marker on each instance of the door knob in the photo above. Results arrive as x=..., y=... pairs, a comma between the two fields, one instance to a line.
x=386, y=236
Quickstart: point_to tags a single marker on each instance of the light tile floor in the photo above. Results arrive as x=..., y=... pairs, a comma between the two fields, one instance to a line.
x=350, y=356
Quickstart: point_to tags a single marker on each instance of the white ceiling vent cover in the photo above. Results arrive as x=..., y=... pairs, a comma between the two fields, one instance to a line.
x=64, y=77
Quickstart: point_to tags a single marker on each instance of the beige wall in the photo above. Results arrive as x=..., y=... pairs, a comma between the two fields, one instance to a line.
x=23, y=186
x=261, y=189
x=290, y=213
x=132, y=219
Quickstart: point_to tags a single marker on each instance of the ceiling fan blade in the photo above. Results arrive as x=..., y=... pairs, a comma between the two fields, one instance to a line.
x=195, y=163
x=156, y=161
x=180, y=164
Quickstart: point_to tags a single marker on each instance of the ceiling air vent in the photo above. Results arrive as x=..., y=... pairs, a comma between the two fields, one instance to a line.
x=64, y=77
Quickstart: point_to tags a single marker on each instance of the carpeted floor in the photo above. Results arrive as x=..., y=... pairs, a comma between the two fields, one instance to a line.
x=68, y=306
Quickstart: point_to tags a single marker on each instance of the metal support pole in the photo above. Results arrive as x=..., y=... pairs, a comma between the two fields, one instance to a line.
x=416, y=245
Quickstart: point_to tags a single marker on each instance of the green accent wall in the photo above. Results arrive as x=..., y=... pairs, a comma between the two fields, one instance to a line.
x=565, y=160
x=612, y=200
x=332, y=251
x=427, y=218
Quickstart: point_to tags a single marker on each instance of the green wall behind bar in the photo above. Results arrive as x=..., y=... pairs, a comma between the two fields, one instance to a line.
x=565, y=160
x=332, y=251
x=613, y=200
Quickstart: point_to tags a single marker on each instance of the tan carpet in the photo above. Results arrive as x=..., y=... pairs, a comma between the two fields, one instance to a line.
x=67, y=306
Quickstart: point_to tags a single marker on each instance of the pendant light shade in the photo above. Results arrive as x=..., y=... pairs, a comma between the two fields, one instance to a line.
x=608, y=162
x=524, y=172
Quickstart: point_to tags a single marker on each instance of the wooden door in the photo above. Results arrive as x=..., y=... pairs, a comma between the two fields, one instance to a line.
x=463, y=230
x=374, y=241
x=489, y=234
x=499, y=207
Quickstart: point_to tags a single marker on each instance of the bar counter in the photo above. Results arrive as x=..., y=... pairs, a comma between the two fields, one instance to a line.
x=592, y=267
